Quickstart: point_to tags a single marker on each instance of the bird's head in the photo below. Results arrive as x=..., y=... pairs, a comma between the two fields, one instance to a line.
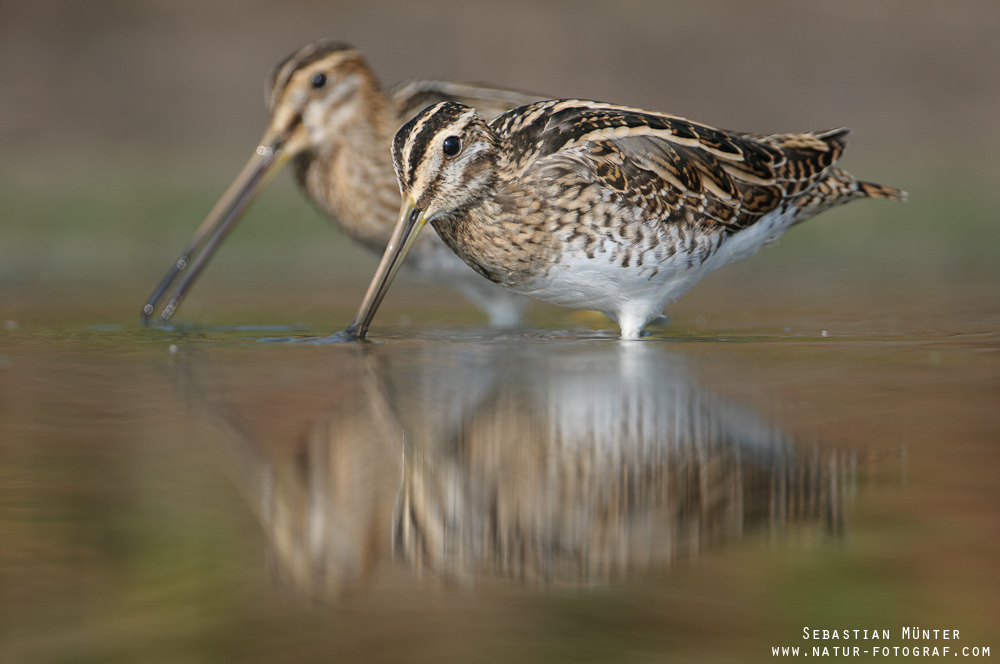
x=315, y=94
x=316, y=97
x=445, y=159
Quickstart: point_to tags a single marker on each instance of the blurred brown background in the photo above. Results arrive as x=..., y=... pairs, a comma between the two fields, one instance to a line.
x=122, y=535
x=123, y=121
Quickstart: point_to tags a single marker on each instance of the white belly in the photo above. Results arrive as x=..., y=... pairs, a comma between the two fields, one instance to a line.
x=636, y=294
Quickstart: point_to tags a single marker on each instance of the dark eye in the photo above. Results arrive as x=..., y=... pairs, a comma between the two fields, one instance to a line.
x=451, y=146
x=318, y=80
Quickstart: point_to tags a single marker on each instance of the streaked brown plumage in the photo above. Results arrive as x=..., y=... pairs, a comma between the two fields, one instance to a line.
x=332, y=118
x=597, y=206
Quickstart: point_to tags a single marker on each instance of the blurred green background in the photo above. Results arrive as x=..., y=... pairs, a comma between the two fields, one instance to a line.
x=122, y=122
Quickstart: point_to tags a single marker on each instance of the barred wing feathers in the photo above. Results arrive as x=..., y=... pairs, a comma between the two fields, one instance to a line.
x=682, y=171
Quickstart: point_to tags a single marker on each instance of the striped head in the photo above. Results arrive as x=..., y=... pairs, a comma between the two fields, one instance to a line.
x=445, y=158
x=316, y=94
x=319, y=97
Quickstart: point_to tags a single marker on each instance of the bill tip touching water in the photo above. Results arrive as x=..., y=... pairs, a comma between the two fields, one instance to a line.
x=597, y=206
x=330, y=117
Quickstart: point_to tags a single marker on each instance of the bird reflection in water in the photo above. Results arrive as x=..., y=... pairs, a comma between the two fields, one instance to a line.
x=548, y=463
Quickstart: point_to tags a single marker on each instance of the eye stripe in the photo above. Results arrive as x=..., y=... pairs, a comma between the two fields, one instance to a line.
x=420, y=133
x=300, y=59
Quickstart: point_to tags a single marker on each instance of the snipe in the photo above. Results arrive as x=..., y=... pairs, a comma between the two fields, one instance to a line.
x=597, y=206
x=330, y=116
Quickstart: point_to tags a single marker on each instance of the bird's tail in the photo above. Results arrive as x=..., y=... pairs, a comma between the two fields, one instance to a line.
x=844, y=187
x=872, y=190
x=839, y=187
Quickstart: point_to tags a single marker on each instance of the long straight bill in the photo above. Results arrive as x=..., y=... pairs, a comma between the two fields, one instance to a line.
x=411, y=220
x=266, y=161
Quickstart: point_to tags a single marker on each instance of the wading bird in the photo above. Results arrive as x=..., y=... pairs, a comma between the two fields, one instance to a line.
x=330, y=116
x=596, y=206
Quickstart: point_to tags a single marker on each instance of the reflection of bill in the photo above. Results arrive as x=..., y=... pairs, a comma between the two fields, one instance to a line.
x=548, y=463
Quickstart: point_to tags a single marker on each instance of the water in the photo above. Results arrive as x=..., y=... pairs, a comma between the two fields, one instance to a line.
x=188, y=494
x=466, y=495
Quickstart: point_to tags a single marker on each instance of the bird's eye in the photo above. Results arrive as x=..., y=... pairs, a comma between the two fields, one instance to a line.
x=451, y=146
x=318, y=80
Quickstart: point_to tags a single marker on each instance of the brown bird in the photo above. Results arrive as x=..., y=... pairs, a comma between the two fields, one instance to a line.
x=330, y=116
x=596, y=206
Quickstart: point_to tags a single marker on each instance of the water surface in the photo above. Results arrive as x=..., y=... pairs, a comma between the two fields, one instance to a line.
x=467, y=495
